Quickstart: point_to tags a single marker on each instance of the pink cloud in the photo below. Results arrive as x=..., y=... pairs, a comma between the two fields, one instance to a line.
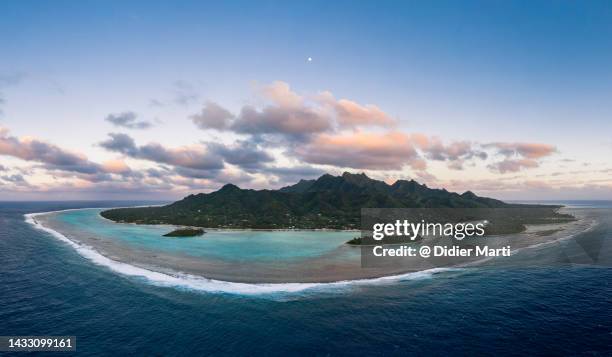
x=392, y=150
x=519, y=156
x=351, y=114
x=212, y=116
x=280, y=93
x=116, y=167
x=280, y=120
x=510, y=165
x=54, y=157
x=527, y=150
x=289, y=113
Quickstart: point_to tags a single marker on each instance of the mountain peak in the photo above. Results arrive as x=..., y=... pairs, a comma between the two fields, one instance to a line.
x=229, y=187
x=360, y=179
x=347, y=174
x=469, y=194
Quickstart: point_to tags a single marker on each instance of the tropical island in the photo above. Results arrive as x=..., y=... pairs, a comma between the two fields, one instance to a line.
x=185, y=232
x=329, y=202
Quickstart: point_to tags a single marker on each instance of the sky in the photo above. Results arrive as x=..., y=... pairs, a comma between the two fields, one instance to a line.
x=159, y=99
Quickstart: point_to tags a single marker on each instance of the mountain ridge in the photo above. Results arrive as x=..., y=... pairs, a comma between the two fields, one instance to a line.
x=332, y=202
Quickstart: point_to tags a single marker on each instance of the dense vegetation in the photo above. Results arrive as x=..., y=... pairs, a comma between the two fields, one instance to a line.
x=185, y=232
x=332, y=202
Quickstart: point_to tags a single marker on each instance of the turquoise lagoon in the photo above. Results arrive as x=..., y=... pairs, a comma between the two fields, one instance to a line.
x=231, y=245
x=254, y=256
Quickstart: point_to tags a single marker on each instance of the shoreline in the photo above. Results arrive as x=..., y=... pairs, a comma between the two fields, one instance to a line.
x=198, y=277
x=211, y=228
x=233, y=229
x=167, y=277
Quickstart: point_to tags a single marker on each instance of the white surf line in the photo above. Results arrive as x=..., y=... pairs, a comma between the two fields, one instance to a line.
x=591, y=225
x=476, y=263
x=193, y=282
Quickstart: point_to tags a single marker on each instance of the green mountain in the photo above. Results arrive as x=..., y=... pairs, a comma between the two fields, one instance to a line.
x=333, y=202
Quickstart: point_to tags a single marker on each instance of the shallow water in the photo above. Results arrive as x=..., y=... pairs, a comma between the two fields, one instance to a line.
x=236, y=256
x=247, y=256
x=237, y=245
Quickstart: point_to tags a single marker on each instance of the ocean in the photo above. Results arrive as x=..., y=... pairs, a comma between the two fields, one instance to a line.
x=48, y=288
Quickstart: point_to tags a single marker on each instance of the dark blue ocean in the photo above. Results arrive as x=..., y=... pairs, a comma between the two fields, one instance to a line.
x=47, y=288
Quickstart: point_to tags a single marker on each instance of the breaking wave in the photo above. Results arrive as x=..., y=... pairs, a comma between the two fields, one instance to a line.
x=198, y=283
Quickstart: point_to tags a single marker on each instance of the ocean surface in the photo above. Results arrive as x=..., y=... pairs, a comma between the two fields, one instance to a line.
x=49, y=287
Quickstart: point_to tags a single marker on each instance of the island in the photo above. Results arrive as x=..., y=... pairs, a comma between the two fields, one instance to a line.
x=329, y=202
x=185, y=232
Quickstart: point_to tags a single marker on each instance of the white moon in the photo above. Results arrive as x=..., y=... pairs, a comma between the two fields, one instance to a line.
x=309, y=59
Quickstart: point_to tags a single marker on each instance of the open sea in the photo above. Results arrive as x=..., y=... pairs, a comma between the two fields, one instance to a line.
x=48, y=288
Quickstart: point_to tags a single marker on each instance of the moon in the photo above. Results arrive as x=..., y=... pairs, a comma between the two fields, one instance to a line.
x=309, y=59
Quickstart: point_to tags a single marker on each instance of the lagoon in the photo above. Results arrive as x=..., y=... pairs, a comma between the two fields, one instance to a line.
x=247, y=256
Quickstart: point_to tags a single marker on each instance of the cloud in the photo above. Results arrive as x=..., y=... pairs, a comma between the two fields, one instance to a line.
x=455, y=153
x=294, y=122
x=352, y=114
x=529, y=189
x=300, y=172
x=510, y=165
x=195, y=157
x=116, y=167
x=212, y=116
x=360, y=150
x=436, y=150
x=196, y=173
x=119, y=190
x=121, y=143
x=280, y=93
x=287, y=113
x=527, y=150
x=302, y=129
x=128, y=120
x=243, y=154
x=321, y=129
x=54, y=157
x=202, y=162
x=291, y=175
x=15, y=179
x=196, y=161
x=519, y=156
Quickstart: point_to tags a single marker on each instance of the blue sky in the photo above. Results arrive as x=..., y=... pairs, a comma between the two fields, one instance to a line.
x=491, y=72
